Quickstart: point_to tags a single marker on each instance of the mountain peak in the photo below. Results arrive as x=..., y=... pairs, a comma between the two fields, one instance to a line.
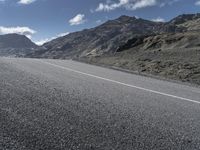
x=184, y=17
x=13, y=35
x=122, y=20
x=14, y=40
x=125, y=18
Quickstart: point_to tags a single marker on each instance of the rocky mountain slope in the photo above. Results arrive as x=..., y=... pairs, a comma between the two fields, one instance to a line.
x=15, y=45
x=104, y=39
x=170, y=50
x=108, y=37
x=187, y=21
x=171, y=55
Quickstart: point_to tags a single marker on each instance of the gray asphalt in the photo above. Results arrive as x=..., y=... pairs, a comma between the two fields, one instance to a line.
x=67, y=105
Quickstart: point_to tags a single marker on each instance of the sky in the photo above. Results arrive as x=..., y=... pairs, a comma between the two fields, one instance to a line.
x=44, y=20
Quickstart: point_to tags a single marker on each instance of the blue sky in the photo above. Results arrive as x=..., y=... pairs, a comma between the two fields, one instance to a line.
x=43, y=20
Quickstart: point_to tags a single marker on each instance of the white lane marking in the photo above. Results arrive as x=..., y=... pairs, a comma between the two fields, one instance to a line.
x=121, y=83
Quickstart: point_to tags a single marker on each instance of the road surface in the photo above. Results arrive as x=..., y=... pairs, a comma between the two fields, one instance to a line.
x=67, y=105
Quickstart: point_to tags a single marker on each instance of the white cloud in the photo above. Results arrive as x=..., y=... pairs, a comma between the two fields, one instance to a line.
x=2, y=1
x=127, y=4
x=18, y=30
x=131, y=4
x=159, y=19
x=26, y=2
x=171, y=2
x=99, y=21
x=197, y=3
x=141, y=4
x=111, y=6
x=42, y=41
x=77, y=20
x=62, y=34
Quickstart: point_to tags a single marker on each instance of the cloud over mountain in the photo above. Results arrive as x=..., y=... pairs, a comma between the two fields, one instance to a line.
x=127, y=4
x=77, y=20
x=19, y=30
x=159, y=19
x=42, y=41
x=132, y=4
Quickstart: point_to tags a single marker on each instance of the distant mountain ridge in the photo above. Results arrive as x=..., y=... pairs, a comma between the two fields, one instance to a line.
x=105, y=39
x=108, y=37
x=184, y=18
x=187, y=22
x=102, y=39
x=16, y=41
x=15, y=45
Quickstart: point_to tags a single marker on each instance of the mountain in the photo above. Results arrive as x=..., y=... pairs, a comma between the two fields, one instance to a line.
x=15, y=44
x=169, y=49
x=103, y=39
x=108, y=37
x=171, y=55
x=186, y=22
x=186, y=35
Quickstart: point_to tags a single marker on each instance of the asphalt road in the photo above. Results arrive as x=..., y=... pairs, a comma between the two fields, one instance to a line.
x=67, y=105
